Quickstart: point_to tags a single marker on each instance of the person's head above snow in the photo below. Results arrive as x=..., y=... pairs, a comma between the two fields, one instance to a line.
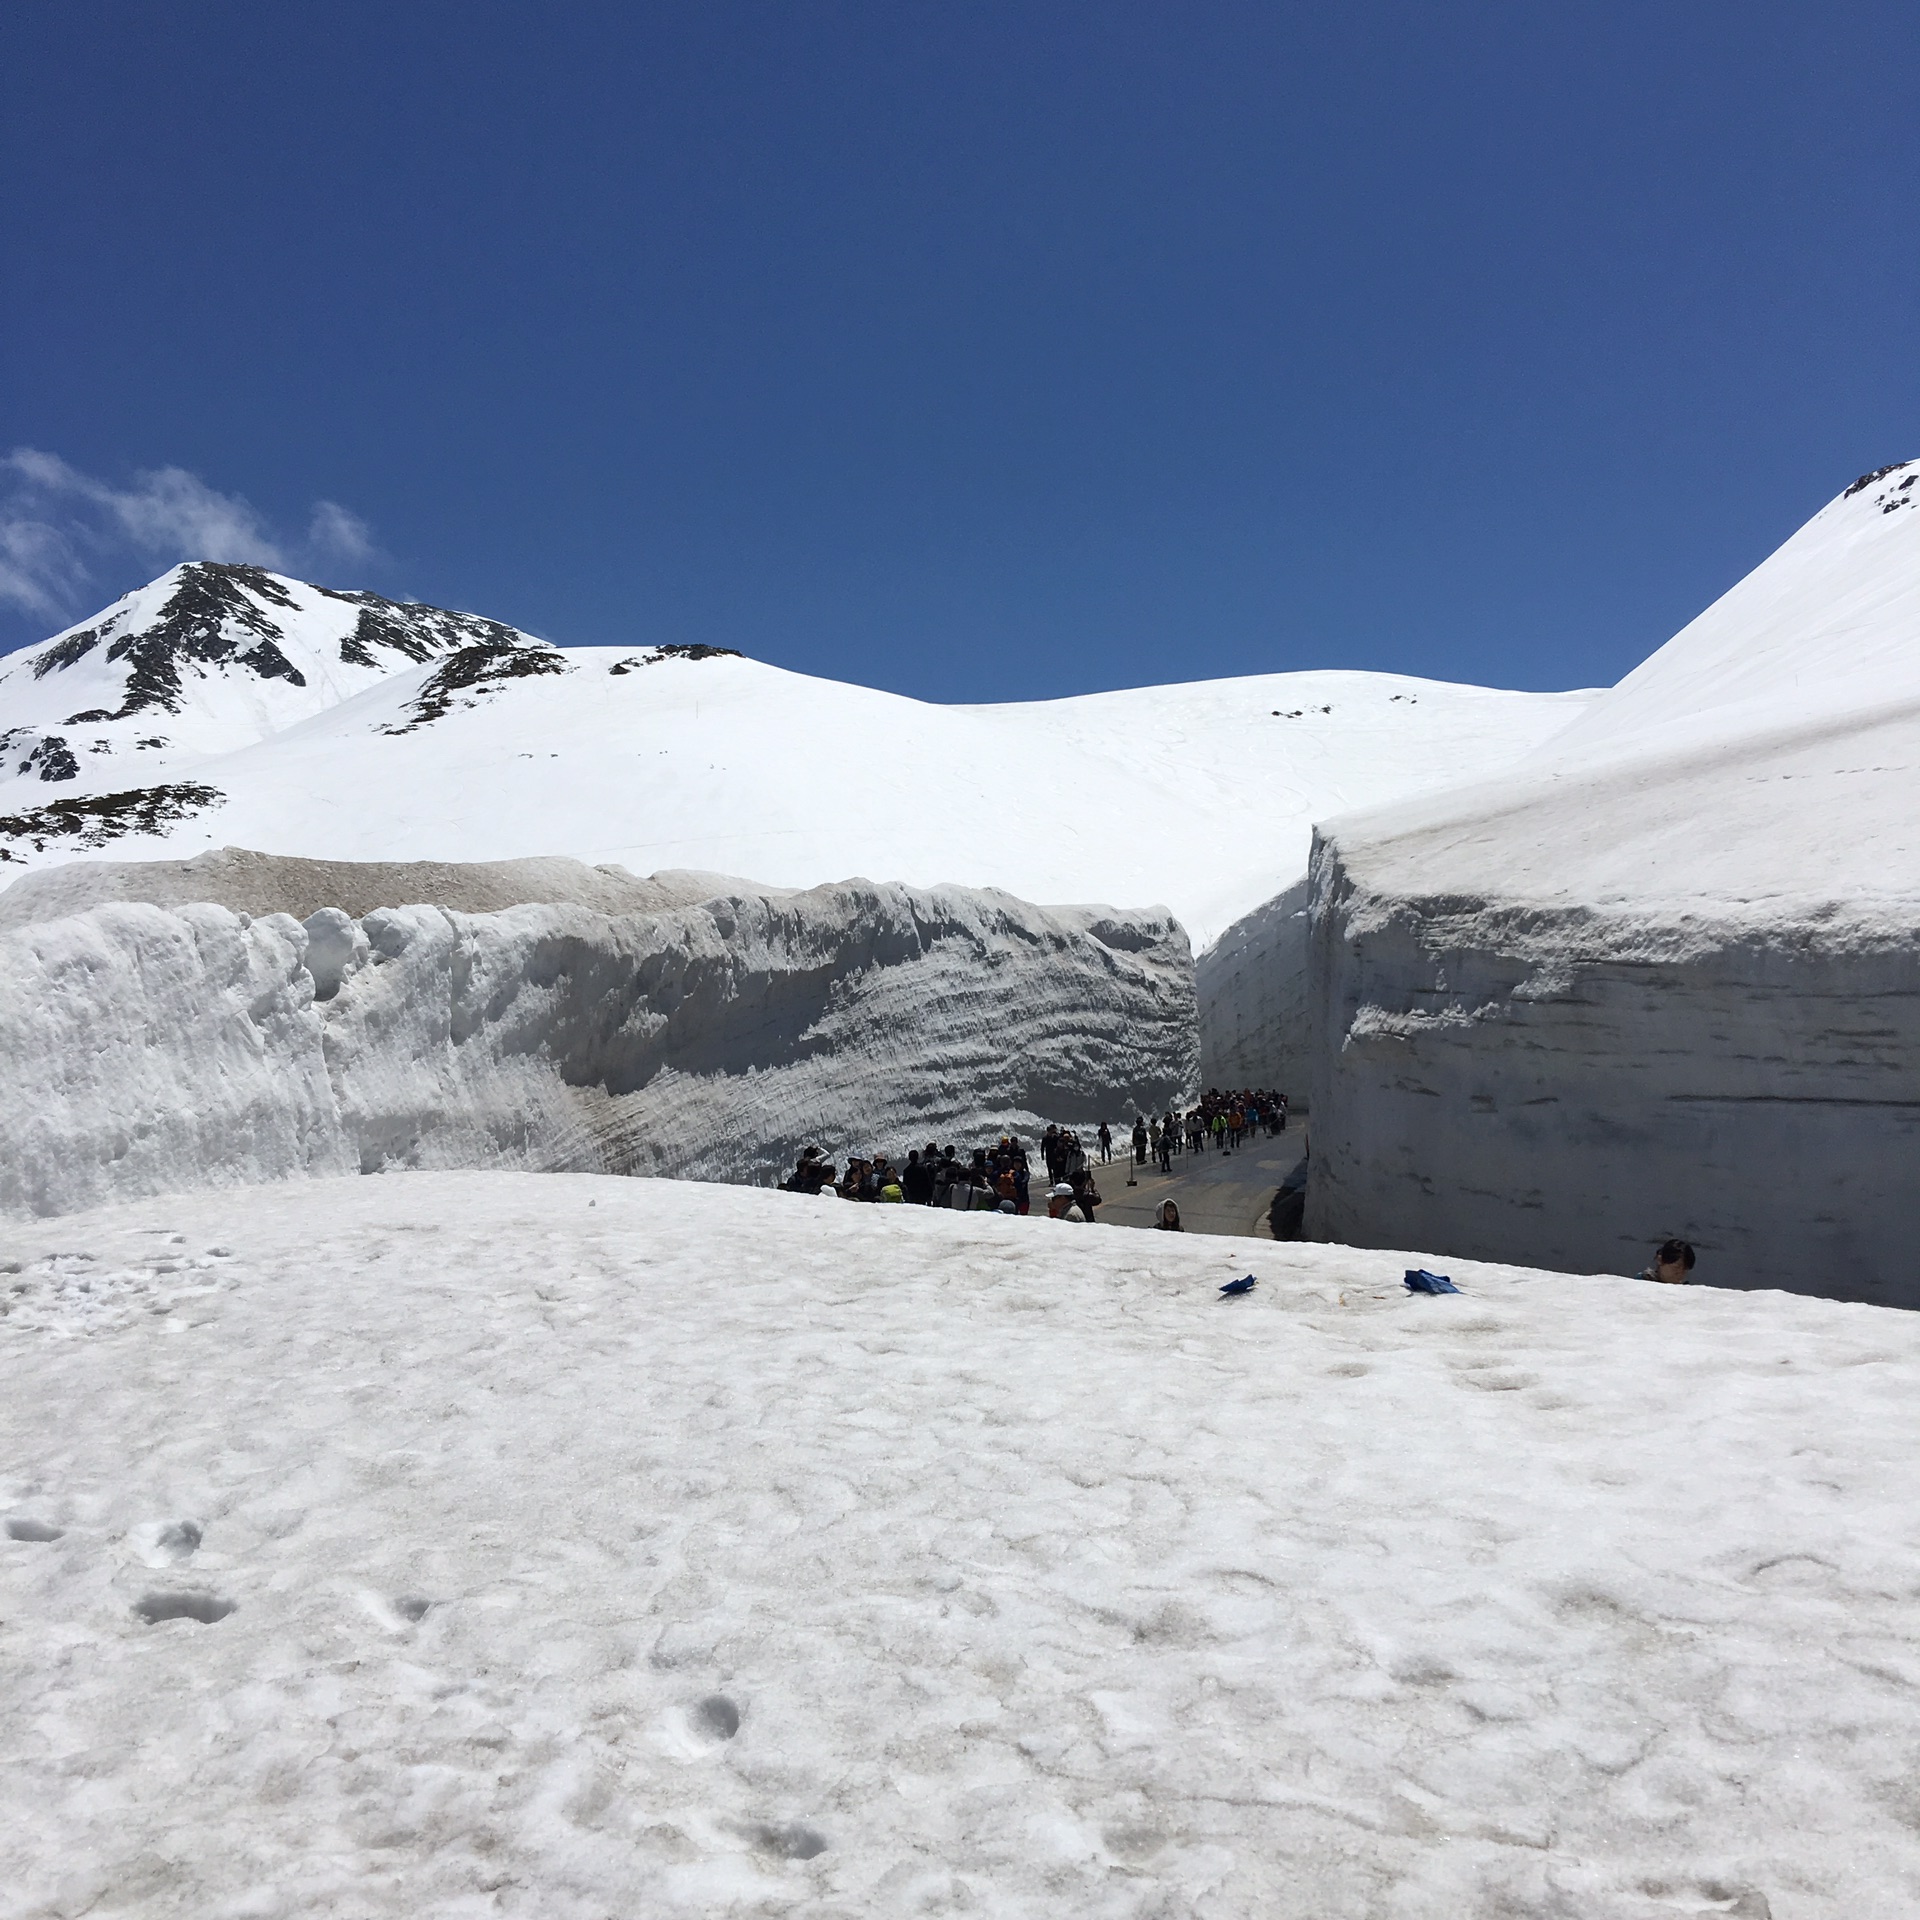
x=1673, y=1264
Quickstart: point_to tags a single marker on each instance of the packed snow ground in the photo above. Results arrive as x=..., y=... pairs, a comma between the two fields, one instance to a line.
x=604, y=1546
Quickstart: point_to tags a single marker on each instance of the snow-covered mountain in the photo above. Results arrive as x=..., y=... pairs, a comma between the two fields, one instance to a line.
x=208, y=658
x=1664, y=977
x=229, y=706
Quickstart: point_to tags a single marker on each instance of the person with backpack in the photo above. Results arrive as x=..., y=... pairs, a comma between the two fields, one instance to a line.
x=1086, y=1196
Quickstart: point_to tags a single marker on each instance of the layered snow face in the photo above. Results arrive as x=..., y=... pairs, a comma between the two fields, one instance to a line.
x=562, y=1547
x=488, y=745
x=261, y=883
x=1665, y=980
x=152, y=1049
x=1252, y=990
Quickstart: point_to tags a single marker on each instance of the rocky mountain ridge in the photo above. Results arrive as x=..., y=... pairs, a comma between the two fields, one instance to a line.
x=214, y=656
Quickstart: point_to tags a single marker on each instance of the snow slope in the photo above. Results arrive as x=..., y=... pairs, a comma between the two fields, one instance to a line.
x=1198, y=797
x=1665, y=977
x=149, y=1049
x=629, y=1547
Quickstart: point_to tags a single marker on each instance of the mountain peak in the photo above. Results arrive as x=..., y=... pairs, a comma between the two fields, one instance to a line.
x=212, y=656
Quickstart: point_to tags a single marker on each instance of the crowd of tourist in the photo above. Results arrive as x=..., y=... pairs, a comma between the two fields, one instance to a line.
x=1000, y=1177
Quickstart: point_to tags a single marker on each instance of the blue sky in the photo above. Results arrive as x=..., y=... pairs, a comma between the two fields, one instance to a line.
x=977, y=351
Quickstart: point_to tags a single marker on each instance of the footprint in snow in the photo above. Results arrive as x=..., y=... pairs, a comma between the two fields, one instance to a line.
x=167, y=1543
x=716, y=1716
x=161, y=1605
x=697, y=1731
x=393, y=1613
x=39, y=1532
x=793, y=1841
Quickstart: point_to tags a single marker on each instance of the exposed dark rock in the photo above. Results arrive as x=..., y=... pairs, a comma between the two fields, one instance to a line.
x=207, y=618
x=1867, y=479
x=654, y=655
x=54, y=758
x=92, y=820
x=75, y=647
x=415, y=631
x=693, y=653
x=478, y=670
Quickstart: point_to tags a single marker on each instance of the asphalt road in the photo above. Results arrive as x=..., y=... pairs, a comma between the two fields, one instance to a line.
x=1224, y=1193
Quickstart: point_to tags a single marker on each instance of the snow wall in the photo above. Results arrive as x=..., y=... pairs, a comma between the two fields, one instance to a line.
x=1563, y=1088
x=1252, y=990
x=149, y=1049
x=1669, y=997
x=1664, y=979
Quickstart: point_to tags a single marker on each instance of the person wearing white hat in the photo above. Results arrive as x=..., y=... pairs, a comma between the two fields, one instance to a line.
x=1063, y=1203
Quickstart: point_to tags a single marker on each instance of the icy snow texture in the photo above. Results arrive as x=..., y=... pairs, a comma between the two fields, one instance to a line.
x=1251, y=985
x=612, y=1547
x=1200, y=797
x=149, y=1049
x=1665, y=978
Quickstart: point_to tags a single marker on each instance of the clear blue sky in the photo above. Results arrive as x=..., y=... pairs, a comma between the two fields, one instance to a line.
x=982, y=351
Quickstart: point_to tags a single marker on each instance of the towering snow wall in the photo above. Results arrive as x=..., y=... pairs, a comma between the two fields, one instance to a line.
x=1666, y=981
x=1252, y=989
x=151, y=1048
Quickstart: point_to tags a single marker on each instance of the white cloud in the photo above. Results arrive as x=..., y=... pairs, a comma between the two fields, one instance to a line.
x=39, y=570
x=339, y=534
x=57, y=525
